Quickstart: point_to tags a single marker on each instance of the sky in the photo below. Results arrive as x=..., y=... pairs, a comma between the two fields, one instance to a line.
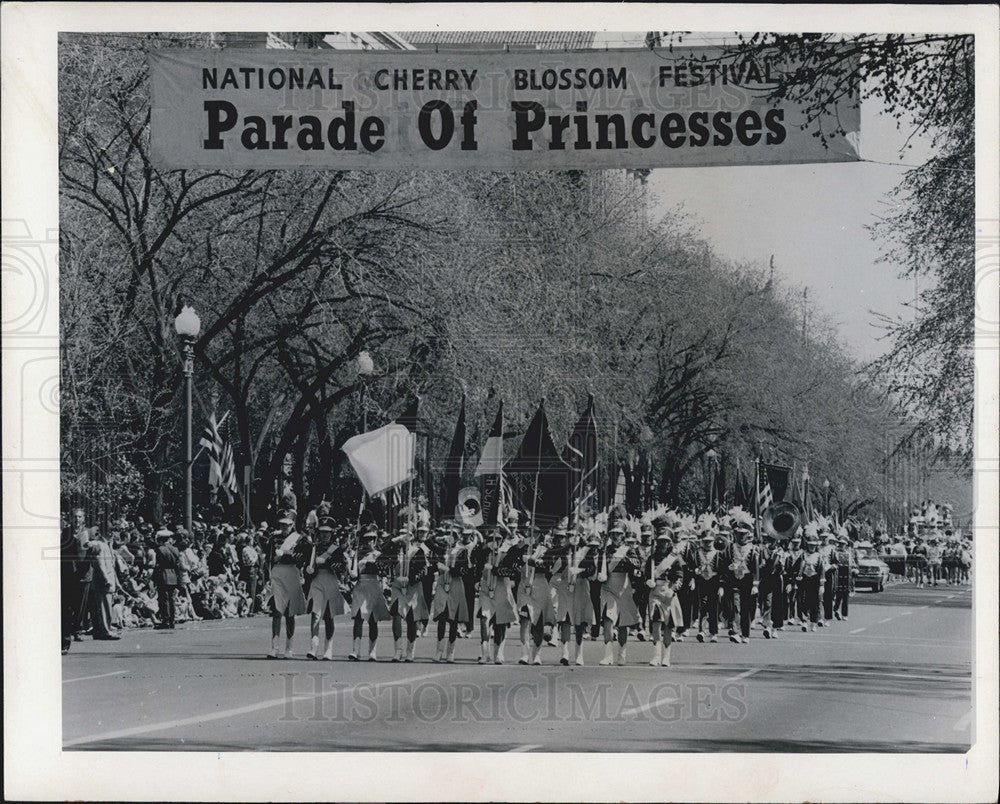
x=812, y=218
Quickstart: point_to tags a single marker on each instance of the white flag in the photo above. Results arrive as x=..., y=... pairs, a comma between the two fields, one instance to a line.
x=383, y=458
x=491, y=460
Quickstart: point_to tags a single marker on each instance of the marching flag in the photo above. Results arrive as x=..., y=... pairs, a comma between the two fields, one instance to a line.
x=382, y=458
x=777, y=479
x=741, y=493
x=581, y=454
x=539, y=478
x=454, y=464
x=410, y=419
x=764, y=496
x=719, y=489
x=620, y=487
x=221, y=471
x=490, y=468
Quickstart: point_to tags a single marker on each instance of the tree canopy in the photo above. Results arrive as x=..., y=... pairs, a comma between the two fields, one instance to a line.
x=925, y=82
x=507, y=286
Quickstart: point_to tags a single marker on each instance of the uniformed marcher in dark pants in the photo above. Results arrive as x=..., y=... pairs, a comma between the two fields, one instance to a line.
x=743, y=571
x=708, y=570
x=772, y=588
x=640, y=592
x=828, y=551
x=846, y=570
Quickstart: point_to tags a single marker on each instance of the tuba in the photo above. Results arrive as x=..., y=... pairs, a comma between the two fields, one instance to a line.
x=780, y=520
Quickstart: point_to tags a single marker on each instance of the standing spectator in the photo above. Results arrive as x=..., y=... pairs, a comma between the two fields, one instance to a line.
x=919, y=553
x=72, y=560
x=249, y=561
x=85, y=575
x=104, y=585
x=189, y=566
x=934, y=559
x=166, y=575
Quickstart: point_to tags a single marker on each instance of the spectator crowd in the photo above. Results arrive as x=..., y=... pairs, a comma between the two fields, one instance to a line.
x=109, y=575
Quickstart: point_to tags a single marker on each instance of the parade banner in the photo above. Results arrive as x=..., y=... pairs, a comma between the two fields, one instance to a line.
x=406, y=110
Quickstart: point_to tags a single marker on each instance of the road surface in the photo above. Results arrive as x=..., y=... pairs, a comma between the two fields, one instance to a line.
x=897, y=676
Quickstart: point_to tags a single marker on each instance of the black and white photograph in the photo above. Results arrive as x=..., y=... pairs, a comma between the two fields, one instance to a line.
x=620, y=399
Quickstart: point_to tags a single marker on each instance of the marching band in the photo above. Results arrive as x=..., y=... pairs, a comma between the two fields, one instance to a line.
x=665, y=572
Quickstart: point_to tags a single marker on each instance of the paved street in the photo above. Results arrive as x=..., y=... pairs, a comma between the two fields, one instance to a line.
x=895, y=677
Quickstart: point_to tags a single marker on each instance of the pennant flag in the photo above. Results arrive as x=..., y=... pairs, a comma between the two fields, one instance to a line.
x=807, y=493
x=382, y=458
x=490, y=468
x=716, y=486
x=221, y=471
x=424, y=480
x=410, y=415
x=540, y=480
x=741, y=492
x=581, y=454
x=453, y=467
x=620, y=485
x=799, y=495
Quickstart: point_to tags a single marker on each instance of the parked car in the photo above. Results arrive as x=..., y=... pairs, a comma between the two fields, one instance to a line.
x=873, y=572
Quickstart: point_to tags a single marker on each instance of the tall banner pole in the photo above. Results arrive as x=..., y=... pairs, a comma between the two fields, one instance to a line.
x=756, y=498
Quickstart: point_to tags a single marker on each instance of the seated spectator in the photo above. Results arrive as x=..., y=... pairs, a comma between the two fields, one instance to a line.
x=218, y=558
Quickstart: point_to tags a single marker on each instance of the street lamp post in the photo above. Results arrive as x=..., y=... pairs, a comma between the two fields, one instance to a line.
x=365, y=366
x=188, y=325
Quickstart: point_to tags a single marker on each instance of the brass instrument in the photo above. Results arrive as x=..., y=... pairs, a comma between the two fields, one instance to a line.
x=780, y=520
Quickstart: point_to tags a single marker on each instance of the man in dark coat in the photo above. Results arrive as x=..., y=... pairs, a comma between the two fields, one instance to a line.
x=166, y=574
x=73, y=563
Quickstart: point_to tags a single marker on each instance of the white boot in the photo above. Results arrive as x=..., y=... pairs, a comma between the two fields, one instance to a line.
x=328, y=653
x=372, y=657
x=439, y=656
x=484, y=652
x=621, y=655
x=536, y=654
x=565, y=654
x=579, y=654
x=450, y=656
x=397, y=656
x=525, y=658
x=313, y=647
x=355, y=650
x=498, y=653
x=657, y=655
x=274, y=654
x=665, y=660
x=608, y=655
x=288, y=648
x=411, y=648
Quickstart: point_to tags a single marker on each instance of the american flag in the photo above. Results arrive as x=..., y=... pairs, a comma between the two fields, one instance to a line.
x=221, y=470
x=764, y=496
